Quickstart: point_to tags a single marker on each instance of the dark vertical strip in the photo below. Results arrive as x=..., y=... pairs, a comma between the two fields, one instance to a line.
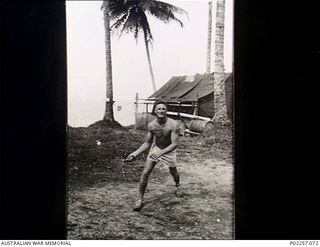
x=275, y=78
x=33, y=120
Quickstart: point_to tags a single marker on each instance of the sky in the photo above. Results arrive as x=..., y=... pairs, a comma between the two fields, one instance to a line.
x=175, y=50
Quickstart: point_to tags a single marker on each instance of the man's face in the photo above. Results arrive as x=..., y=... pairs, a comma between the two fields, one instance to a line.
x=161, y=110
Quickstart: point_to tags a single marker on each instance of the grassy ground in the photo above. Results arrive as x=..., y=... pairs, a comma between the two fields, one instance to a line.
x=101, y=199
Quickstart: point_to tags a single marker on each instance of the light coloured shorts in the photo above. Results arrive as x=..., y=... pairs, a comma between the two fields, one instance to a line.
x=168, y=159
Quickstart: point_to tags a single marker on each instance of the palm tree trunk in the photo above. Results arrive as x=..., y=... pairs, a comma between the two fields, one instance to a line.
x=149, y=62
x=219, y=36
x=108, y=115
x=209, y=38
x=219, y=75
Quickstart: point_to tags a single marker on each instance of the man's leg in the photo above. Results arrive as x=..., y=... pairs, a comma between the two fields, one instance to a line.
x=175, y=175
x=176, y=178
x=143, y=183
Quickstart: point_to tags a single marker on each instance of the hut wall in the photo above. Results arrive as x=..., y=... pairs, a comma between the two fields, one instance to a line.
x=206, y=106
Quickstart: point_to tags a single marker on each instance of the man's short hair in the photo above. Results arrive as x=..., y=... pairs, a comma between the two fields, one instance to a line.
x=158, y=103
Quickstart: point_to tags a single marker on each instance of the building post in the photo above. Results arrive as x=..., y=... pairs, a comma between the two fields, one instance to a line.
x=136, y=111
x=136, y=102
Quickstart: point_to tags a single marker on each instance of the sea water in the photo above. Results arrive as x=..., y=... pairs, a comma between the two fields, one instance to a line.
x=83, y=112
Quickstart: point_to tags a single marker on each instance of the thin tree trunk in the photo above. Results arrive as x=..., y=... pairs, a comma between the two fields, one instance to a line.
x=108, y=115
x=149, y=63
x=219, y=75
x=208, y=69
x=219, y=36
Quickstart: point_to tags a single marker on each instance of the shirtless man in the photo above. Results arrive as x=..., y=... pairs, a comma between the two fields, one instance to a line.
x=162, y=136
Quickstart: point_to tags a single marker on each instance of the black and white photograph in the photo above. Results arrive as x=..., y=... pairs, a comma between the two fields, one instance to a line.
x=150, y=120
x=158, y=120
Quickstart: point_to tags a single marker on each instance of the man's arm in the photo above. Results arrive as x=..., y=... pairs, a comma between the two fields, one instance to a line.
x=143, y=147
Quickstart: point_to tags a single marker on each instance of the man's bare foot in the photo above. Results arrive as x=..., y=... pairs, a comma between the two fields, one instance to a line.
x=138, y=206
x=178, y=192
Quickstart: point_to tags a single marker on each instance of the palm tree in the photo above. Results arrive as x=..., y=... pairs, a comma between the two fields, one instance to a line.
x=208, y=69
x=131, y=16
x=219, y=75
x=108, y=114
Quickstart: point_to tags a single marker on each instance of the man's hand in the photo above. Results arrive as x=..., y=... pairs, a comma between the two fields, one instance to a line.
x=155, y=155
x=130, y=157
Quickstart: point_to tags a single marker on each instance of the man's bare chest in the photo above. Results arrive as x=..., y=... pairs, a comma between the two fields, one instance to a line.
x=161, y=132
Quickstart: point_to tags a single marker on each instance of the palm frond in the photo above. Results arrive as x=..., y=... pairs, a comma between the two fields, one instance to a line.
x=120, y=21
x=145, y=26
x=132, y=23
x=131, y=15
x=118, y=8
x=163, y=11
x=103, y=5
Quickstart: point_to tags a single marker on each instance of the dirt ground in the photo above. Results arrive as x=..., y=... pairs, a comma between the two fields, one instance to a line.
x=100, y=199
